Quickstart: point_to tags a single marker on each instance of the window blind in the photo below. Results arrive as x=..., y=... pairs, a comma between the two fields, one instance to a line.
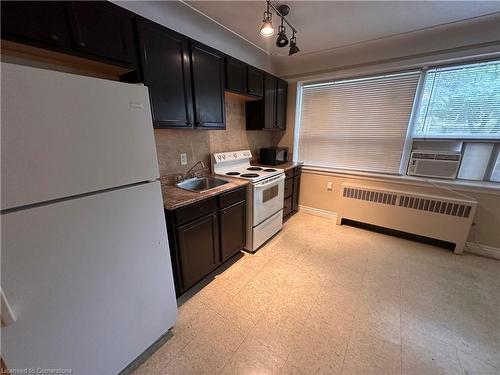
x=358, y=124
x=461, y=102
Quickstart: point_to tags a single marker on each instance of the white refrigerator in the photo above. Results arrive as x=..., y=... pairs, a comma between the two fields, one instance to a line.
x=86, y=275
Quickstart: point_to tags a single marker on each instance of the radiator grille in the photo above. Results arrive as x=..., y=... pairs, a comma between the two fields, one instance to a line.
x=423, y=204
x=370, y=195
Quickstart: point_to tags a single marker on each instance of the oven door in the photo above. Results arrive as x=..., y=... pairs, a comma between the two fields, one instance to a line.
x=267, y=198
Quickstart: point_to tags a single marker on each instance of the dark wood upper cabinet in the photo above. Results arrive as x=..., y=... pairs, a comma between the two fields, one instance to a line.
x=208, y=86
x=236, y=75
x=270, y=83
x=232, y=229
x=166, y=69
x=281, y=98
x=244, y=79
x=102, y=29
x=98, y=30
x=39, y=23
x=255, y=79
x=270, y=112
x=198, y=247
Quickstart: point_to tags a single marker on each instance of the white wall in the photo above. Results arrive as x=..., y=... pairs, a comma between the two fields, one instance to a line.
x=179, y=17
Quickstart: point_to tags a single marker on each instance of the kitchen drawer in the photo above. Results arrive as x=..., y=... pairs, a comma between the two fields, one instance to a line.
x=288, y=187
x=289, y=173
x=232, y=197
x=287, y=206
x=194, y=211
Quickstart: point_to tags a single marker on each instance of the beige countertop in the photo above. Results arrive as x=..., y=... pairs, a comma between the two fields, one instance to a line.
x=174, y=197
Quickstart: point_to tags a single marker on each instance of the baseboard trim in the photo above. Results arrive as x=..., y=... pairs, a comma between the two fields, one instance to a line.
x=483, y=250
x=318, y=212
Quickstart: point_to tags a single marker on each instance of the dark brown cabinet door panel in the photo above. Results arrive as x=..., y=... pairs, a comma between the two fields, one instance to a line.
x=166, y=72
x=281, y=98
x=287, y=206
x=288, y=187
x=296, y=189
x=269, y=102
x=232, y=229
x=208, y=86
x=255, y=79
x=198, y=246
x=40, y=23
x=236, y=75
x=102, y=29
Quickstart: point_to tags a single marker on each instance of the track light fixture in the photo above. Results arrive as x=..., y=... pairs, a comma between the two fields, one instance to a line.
x=282, y=40
x=268, y=30
x=293, y=46
x=267, y=24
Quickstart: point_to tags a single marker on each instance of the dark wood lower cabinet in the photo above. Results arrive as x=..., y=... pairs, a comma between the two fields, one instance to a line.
x=292, y=188
x=205, y=234
x=232, y=229
x=198, y=245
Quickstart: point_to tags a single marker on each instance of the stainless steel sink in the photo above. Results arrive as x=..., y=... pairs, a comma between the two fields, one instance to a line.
x=201, y=183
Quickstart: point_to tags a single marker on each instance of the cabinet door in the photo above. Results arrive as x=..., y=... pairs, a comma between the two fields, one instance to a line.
x=103, y=30
x=198, y=244
x=236, y=75
x=288, y=187
x=232, y=229
x=281, y=97
x=167, y=74
x=40, y=23
x=208, y=86
x=296, y=189
x=269, y=102
x=287, y=206
x=255, y=82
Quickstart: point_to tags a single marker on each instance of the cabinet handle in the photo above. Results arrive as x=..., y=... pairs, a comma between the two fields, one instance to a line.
x=188, y=122
x=53, y=37
x=197, y=123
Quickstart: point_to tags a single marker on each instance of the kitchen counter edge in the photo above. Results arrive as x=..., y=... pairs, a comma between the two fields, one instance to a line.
x=174, y=197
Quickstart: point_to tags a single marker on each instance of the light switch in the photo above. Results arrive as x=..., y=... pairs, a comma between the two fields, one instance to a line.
x=184, y=158
x=329, y=186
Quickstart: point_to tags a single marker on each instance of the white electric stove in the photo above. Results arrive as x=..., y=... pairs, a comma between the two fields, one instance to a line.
x=264, y=195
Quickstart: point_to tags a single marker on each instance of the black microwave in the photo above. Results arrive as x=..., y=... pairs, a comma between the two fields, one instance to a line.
x=273, y=155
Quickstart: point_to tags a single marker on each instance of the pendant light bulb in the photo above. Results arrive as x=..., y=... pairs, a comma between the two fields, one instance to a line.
x=267, y=25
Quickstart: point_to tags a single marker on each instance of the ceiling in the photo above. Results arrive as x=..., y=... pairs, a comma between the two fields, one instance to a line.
x=326, y=25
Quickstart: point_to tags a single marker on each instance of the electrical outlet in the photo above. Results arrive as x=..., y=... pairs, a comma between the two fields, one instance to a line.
x=329, y=186
x=184, y=159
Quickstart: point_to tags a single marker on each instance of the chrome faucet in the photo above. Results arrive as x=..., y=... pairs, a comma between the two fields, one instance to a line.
x=188, y=174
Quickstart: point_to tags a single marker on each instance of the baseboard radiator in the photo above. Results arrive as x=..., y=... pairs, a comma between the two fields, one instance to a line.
x=437, y=217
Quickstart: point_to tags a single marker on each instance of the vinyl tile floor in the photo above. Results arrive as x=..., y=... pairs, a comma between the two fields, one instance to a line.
x=326, y=299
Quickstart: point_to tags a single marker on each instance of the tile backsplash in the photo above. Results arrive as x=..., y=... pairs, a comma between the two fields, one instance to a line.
x=200, y=144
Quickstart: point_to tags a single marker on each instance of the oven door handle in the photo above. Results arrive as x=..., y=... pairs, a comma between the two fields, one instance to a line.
x=273, y=181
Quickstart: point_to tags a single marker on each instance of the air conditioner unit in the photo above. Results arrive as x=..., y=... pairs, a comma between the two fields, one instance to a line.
x=441, y=164
x=438, y=217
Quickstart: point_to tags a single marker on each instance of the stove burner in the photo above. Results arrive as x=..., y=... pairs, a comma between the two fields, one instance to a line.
x=233, y=173
x=249, y=175
x=254, y=169
x=269, y=170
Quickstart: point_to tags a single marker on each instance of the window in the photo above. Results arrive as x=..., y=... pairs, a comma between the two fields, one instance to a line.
x=461, y=102
x=359, y=124
x=363, y=124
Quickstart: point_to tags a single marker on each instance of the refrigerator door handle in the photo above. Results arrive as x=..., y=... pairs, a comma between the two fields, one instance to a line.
x=8, y=316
